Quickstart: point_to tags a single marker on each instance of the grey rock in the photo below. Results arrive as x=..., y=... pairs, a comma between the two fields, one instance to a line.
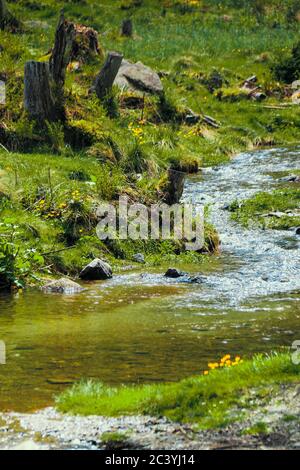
x=138, y=76
x=174, y=273
x=62, y=286
x=97, y=270
x=296, y=85
x=139, y=258
x=297, y=231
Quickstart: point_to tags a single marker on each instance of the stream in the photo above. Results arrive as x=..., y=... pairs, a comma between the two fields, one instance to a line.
x=142, y=327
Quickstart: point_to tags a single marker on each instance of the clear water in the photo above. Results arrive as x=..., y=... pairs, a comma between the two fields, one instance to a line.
x=141, y=327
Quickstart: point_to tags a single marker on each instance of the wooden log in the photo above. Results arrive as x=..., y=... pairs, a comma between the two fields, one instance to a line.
x=62, y=51
x=38, y=98
x=127, y=28
x=106, y=77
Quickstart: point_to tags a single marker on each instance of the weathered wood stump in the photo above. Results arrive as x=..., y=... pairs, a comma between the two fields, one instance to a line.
x=175, y=185
x=105, y=79
x=62, y=50
x=127, y=28
x=38, y=98
x=7, y=20
x=85, y=44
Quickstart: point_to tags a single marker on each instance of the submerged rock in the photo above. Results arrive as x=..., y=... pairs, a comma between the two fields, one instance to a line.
x=297, y=231
x=138, y=76
x=195, y=279
x=62, y=286
x=174, y=273
x=291, y=179
x=97, y=270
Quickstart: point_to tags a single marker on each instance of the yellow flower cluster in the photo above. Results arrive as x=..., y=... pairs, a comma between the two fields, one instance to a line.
x=43, y=208
x=137, y=133
x=225, y=361
x=193, y=3
x=76, y=195
x=195, y=131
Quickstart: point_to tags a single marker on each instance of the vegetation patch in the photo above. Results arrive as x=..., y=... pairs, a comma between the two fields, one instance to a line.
x=279, y=209
x=209, y=400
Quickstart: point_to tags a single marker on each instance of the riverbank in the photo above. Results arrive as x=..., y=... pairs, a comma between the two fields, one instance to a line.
x=272, y=422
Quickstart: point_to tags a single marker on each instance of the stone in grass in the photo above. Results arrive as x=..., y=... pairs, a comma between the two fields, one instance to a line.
x=97, y=270
x=137, y=76
x=139, y=258
x=174, y=273
x=62, y=286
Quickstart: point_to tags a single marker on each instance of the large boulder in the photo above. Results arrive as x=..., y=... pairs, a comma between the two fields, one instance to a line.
x=137, y=76
x=62, y=286
x=97, y=270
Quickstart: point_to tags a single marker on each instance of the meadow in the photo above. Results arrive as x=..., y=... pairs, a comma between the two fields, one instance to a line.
x=52, y=176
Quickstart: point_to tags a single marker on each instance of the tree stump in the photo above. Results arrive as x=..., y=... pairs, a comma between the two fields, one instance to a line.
x=62, y=51
x=106, y=77
x=175, y=185
x=7, y=20
x=38, y=98
x=127, y=28
x=85, y=44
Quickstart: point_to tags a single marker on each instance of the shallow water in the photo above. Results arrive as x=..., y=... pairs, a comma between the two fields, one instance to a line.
x=141, y=327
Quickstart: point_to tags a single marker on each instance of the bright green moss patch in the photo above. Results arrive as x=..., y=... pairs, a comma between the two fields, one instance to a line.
x=209, y=401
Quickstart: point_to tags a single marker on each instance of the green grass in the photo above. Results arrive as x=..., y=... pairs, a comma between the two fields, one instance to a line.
x=255, y=211
x=258, y=428
x=190, y=45
x=208, y=401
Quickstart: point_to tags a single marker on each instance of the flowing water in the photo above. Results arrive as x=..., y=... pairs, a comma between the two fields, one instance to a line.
x=141, y=327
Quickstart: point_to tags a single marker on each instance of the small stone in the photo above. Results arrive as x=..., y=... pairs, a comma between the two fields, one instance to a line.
x=174, y=273
x=139, y=258
x=97, y=270
x=195, y=280
x=62, y=286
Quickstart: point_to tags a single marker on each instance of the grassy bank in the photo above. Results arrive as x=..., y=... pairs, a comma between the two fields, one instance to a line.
x=53, y=176
x=276, y=210
x=211, y=400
